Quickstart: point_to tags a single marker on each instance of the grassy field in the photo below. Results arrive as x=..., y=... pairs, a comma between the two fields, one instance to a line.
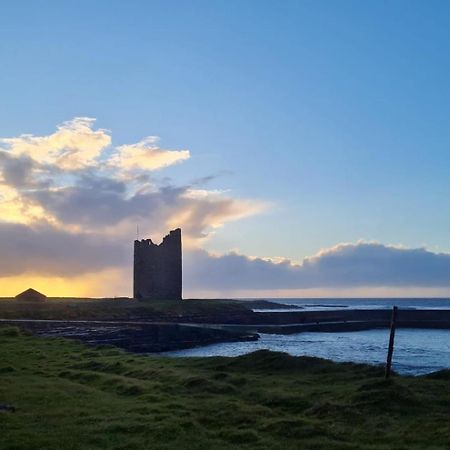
x=116, y=309
x=69, y=396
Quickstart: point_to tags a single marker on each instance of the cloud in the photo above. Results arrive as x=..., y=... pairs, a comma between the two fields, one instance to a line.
x=76, y=145
x=73, y=145
x=74, y=177
x=146, y=155
x=17, y=171
x=344, y=266
x=95, y=203
x=200, y=211
x=45, y=250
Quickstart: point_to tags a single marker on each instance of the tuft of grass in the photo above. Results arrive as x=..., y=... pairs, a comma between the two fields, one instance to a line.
x=10, y=331
x=440, y=375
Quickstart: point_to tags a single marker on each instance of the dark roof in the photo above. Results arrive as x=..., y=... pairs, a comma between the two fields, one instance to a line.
x=30, y=294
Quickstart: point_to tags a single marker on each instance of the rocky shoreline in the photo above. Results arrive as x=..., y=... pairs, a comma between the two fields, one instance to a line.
x=134, y=337
x=199, y=324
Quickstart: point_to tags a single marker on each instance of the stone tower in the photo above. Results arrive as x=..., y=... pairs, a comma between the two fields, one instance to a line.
x=157, y=268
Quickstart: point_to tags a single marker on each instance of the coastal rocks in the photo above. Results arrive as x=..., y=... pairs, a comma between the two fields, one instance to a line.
x=7, y=408
x=141, y=338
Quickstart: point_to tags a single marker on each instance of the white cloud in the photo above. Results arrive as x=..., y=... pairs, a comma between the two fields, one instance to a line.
x=146, y=155
x=74, y=145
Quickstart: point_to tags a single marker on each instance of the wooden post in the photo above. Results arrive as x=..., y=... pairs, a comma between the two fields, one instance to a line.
x=391, y=343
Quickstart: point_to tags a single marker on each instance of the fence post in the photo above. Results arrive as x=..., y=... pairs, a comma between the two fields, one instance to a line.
x=391, y=343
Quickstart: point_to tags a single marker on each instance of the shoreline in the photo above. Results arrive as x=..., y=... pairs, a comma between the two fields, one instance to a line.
x=193, y=330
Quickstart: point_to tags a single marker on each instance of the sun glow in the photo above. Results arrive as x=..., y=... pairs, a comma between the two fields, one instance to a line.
x=108, y=283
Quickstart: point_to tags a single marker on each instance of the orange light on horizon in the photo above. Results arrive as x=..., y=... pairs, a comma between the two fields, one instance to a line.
x=108, y=283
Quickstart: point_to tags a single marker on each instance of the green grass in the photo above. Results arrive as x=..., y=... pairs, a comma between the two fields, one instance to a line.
x=70, y=396
x=115, y=309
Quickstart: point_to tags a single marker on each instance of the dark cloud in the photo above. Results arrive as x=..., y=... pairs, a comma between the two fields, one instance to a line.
x=92, y=181
x=202, y=181
x=94, y=202
x=103, y=202
x=349, y=265
x=44, y=250
x=20, y=172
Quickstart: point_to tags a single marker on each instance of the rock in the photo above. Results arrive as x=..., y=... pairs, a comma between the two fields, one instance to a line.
x=7, y=408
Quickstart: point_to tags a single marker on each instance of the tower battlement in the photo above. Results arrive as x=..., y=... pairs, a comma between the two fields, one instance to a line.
x=158, y=269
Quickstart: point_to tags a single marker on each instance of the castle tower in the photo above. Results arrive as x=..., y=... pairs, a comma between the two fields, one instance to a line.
x=157, y=268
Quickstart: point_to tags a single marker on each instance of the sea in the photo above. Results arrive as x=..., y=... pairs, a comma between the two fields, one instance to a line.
x=416, y=352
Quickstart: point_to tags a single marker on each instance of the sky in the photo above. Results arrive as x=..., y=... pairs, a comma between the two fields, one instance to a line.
x=302, y=146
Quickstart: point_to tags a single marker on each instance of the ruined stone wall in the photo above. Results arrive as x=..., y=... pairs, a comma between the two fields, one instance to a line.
x=157, y=268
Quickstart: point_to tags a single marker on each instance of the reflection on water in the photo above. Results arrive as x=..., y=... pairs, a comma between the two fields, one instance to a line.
x=416, y=351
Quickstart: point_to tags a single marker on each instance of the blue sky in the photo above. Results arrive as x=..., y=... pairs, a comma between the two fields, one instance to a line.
x=333, y=113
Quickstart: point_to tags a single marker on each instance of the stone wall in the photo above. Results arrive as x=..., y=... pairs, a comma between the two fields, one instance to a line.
x=157, y=268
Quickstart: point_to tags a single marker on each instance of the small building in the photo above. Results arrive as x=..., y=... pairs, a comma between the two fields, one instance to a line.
x=31, y=295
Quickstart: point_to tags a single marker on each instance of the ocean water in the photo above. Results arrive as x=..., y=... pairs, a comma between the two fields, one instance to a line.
x=314, y=304
x=416, y=351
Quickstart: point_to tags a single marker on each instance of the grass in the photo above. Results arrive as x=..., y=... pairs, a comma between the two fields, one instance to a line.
x=69, y=396
x=116, y=309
